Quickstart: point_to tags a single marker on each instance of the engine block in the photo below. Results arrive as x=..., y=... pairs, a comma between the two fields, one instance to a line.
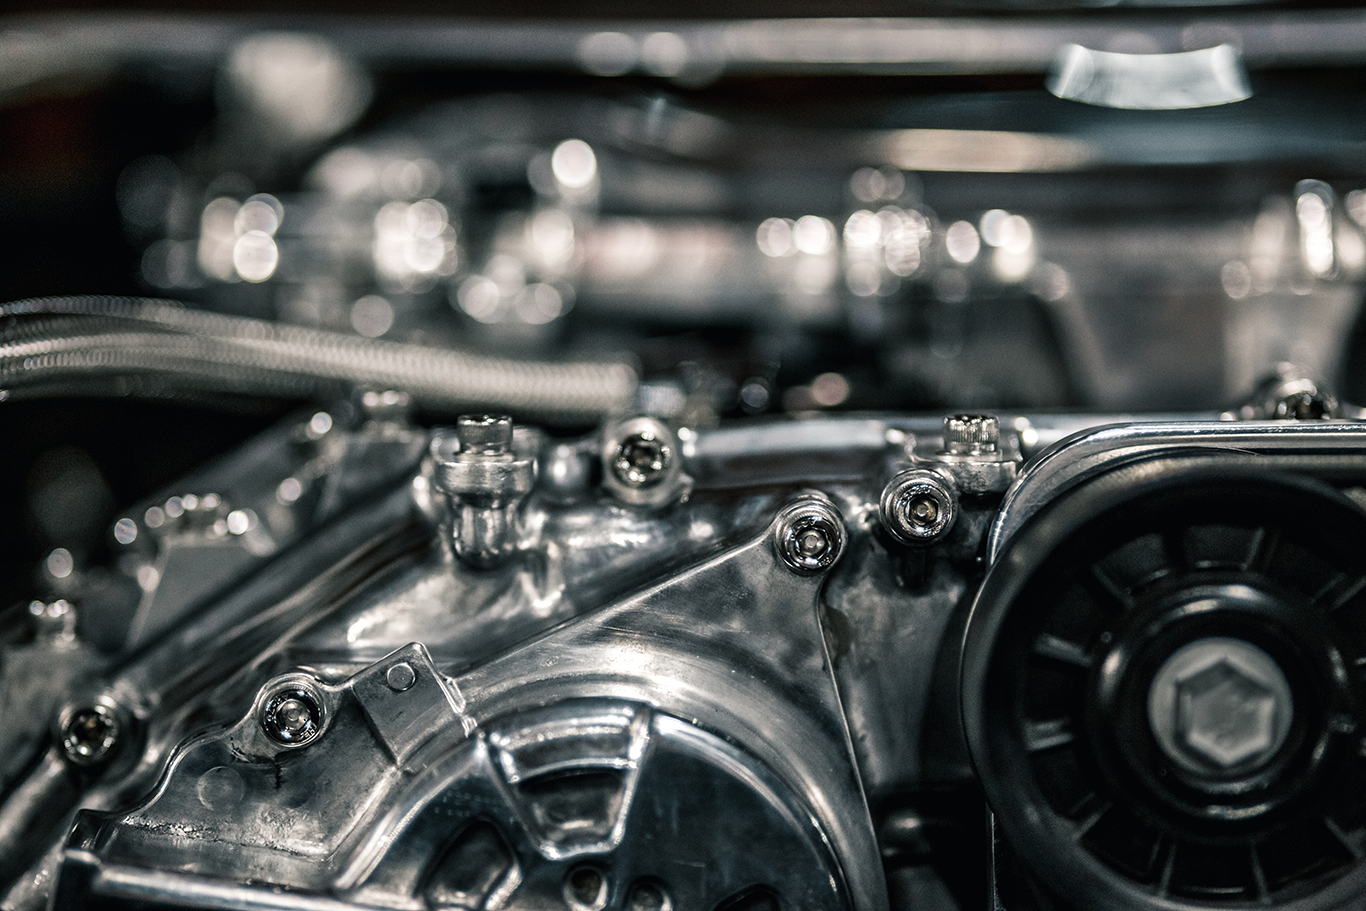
x=359, y=664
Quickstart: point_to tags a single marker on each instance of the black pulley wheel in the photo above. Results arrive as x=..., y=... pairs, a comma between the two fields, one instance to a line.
x=1163, y=691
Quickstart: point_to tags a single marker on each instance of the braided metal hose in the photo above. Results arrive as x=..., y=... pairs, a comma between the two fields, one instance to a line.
x=47, y=344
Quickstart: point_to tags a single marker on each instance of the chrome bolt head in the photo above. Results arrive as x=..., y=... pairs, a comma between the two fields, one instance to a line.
x=292, y=716
x=809, y=536
x=918, y=506
x=90, y=734
x=641, y=459
x=1220, y=704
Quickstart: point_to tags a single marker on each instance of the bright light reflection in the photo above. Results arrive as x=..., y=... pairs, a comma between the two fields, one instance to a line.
x=574, y=164
x=538, y=304
x=991, y=226
x=862, y=230
x=412, y=241
x=1236, y=278
x=1356, y=206
x=259, y=213
x=372, y=316
x=1016, y=234
x=1316, y=236
x=775, y=237
x=255, y=256
x=1351, y=249
x=551, y=238
x=829, y=390
x=1012, y=265
x=875, y=184
x=962, y=242
x=664, y=54
x=813, y=235
x=60, y=563
x=480, y=298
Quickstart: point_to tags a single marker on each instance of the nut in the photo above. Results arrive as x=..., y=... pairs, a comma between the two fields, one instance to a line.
x=972, y=454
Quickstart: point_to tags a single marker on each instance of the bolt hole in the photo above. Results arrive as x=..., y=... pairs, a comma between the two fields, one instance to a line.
x=585, y=889
x=648, y=896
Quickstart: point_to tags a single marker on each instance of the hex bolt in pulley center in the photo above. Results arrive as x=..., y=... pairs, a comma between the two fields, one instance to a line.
x=292, y=716
x=1220, y=704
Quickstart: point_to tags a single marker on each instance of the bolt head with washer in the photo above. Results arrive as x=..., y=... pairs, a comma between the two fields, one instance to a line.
x=292, y=715
x=90, y=734
x=809, y=536
x=642, y=463
x=918, y=506
x=641, y=459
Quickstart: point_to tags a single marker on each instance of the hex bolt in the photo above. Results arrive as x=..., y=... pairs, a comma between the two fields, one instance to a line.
x=641, y=459
x=1220, y=706
x=292, y=715
x=809, y=535
x=90, y=734
x=918, y=506
x=400, y=677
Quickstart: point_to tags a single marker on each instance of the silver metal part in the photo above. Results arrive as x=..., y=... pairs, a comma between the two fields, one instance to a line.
x=485, y=472
x=292, y=712
x=1289, y=394
x=971, y=434
x=1089, y=452
x=1220, y=705
x=624, y=695
x=809, y=535
x=1150, y=82
x=972, y=454
x=642, y=463
x=736, y=640
x=90, y=734
x=918, y=506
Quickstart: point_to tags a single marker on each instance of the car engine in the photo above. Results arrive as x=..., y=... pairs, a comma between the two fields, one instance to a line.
x=895, y=463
